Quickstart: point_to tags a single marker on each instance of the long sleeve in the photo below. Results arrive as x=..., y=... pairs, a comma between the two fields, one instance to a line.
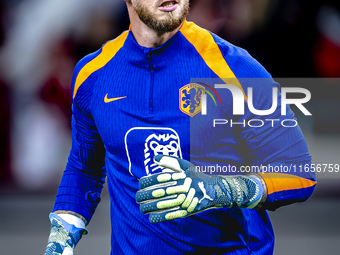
x=277, y=143
x=278, y=150
x=84, y=176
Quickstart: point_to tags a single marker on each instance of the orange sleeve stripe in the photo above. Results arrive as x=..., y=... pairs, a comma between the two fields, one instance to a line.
x=205, y=45
x=109, y=50
x=277, y=182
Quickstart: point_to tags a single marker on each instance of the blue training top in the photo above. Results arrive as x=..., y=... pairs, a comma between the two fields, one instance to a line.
x=131, y=103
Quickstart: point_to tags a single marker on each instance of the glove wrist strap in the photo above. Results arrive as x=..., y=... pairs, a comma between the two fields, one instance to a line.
x=70, y=227
x=71, y=219
x=265, y=192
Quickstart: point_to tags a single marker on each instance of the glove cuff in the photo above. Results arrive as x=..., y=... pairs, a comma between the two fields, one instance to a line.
x=72, y=219
x=73, y=224
x=264, y=188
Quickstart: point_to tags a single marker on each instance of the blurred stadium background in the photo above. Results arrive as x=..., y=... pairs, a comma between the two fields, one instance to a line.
x=42, y=40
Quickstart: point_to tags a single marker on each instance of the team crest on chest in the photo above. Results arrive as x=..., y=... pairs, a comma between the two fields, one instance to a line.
x=190, y=99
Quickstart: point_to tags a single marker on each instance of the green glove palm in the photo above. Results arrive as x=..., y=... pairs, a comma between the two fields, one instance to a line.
x=184, y=192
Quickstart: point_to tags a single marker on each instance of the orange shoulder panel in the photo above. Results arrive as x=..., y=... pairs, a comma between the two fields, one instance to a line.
x=206, y=46
x=109, y=50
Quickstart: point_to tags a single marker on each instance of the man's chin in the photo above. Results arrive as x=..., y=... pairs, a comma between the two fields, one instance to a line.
x=161, y=21
x=165, y=24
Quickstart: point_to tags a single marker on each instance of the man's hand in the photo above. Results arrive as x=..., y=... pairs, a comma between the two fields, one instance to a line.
x=185, y=191
x=63, y=236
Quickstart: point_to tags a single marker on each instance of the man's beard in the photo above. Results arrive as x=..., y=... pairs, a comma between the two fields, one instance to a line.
x=170, y=23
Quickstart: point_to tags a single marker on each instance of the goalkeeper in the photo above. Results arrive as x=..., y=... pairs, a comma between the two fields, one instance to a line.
x=137, y=125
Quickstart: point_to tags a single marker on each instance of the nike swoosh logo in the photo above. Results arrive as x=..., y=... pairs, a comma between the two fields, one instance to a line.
x=108, y=100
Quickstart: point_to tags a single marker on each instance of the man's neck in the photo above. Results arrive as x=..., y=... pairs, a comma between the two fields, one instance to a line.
x=146, y=36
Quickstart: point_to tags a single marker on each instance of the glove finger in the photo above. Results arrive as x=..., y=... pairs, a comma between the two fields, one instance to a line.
x=173, y=163
x=167, y=215
x=143, y=196
x=165, y=203
x=68, y=251
x=154, y=179
x=162, y=179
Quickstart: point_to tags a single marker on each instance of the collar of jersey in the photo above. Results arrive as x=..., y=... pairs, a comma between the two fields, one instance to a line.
x=154, y=51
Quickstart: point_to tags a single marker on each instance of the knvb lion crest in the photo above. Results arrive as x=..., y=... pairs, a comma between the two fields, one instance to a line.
x=190, y=99
x=143, y=143
x=162, y=144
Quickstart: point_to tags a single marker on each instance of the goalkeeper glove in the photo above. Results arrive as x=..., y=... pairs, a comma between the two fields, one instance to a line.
x=184, y=191
x=64, y=236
